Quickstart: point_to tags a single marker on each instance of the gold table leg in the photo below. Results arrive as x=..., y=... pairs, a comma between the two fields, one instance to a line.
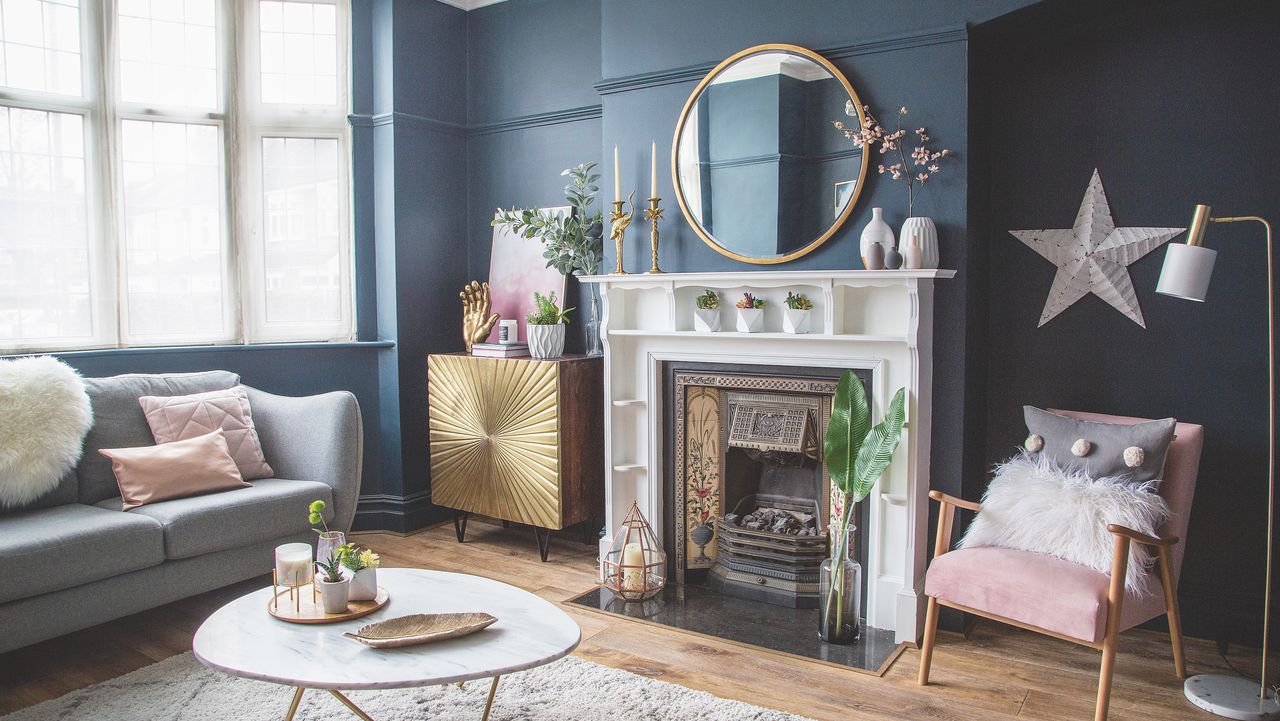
x=347, y=702
x=293, y=707
x=493, y=690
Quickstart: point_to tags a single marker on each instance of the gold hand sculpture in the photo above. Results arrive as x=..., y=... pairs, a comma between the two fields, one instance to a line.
x=476, y=320
x=619, y=227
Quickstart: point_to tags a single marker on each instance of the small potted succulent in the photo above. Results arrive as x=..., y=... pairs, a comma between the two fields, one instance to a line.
x=546, y=326
x=706, y=312
x=795, y=318
x=363, y=566
x=335, y=588
x=750, y=313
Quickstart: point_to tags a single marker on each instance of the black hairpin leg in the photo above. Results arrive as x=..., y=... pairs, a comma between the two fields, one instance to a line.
x=460, y=525
x=590, y=532
x=506, y=523
x=543, y=536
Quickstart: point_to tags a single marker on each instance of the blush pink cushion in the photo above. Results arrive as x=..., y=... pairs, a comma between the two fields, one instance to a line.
x=1031, y=588
x=179, y=469
x=176, y=418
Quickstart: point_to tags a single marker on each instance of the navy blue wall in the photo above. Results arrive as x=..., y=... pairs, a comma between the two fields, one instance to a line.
x=1172, y=108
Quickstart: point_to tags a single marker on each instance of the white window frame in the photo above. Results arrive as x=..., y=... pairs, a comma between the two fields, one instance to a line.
x=243, y=120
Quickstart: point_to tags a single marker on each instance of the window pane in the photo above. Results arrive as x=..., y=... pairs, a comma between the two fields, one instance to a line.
x=40, y=45
x=168, y=53
x=302, y=248
x=299, y=52
x=45, y=276
x=173, y=235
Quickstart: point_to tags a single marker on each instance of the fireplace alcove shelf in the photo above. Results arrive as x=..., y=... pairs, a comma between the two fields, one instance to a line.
x=881, y=321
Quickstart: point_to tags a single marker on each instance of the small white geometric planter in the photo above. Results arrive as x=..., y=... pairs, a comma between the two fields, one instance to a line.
x=364, y=585
x=795, y=321
x=546, y=341
x=750, y=320
x=706, y=320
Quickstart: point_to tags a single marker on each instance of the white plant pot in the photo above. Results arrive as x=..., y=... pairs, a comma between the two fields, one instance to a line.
x=750, y=320
x=927, y=235
x=706, y=320
x=364, y=585
x=546, y=341
x=876, y=231
x=334, y=596
x=795, y=321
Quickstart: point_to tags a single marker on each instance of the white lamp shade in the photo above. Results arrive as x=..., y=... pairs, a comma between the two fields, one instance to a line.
x=1187, y=271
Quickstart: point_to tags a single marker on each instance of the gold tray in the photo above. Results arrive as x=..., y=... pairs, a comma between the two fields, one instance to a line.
x=421, y=628
x=310, y=610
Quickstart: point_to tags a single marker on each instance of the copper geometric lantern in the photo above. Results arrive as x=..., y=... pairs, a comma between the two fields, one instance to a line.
x=635, y=568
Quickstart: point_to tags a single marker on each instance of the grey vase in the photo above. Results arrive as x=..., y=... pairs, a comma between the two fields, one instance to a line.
x=875, y=257
x=893, y=259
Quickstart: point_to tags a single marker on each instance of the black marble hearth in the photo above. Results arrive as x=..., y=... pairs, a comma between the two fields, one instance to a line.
x=696, y=608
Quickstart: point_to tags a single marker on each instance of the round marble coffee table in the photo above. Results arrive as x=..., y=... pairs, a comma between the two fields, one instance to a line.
x=242, y=639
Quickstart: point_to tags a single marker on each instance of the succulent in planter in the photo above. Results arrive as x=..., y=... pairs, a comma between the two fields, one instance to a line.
x=750, y=313
x=795, y=318
x=335, y=588
x=363, y=565
x=546, y=326
x=706, y=312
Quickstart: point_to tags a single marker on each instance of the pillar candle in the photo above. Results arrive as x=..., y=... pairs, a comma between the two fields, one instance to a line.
x=653, y=169
x=617, y=177
x=632, y=567
x=293, y=564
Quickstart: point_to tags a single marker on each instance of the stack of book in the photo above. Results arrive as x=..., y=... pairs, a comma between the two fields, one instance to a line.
x=500, y=350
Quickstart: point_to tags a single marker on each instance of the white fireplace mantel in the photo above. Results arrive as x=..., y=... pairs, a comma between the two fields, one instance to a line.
x=876, y=320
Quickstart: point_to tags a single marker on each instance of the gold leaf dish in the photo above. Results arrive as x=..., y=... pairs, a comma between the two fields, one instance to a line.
x=421, y=628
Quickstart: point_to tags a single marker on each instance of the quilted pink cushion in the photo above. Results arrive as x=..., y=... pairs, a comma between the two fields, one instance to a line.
x=177, y=418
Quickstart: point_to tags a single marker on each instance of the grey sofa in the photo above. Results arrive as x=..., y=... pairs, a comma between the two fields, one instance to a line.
x=73, y=559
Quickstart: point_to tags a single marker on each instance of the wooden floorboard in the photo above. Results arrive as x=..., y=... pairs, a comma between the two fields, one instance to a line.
x=997, y=674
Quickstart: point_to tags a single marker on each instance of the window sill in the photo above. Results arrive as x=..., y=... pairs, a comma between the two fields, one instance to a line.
x=247, y=347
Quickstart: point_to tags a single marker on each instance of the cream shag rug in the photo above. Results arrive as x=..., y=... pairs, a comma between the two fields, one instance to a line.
x=571, y=689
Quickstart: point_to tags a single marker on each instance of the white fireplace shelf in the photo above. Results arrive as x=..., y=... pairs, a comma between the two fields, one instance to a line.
x=880, y=322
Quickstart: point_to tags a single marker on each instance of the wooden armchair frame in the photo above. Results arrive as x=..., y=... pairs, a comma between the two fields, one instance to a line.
x=1124, y=537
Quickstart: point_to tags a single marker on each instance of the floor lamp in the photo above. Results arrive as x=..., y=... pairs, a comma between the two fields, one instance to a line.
x=1186, y=273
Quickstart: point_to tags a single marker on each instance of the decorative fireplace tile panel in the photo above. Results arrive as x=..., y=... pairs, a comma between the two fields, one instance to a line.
x=702, y=469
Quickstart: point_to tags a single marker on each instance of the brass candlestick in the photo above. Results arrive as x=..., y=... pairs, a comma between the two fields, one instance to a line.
x=653, y=214
x=620, y=221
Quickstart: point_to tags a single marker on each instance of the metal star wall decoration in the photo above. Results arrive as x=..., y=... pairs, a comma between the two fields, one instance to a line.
x=1094, y=256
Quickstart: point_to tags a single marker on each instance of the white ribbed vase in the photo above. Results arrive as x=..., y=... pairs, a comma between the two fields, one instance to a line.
x=546, y=341
x=927, y=232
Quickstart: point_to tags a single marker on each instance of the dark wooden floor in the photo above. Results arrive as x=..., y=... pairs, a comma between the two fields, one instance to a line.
x=998, y=673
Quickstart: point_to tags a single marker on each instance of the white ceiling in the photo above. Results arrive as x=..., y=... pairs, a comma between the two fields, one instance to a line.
x=470, y=4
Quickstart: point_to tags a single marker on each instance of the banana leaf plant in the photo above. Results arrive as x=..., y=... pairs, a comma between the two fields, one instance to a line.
x=856, y=454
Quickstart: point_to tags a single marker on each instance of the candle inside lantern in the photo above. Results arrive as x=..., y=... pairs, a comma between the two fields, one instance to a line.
x=653, y=169
x=632, y=567
x=617, y=177
x=293, y=564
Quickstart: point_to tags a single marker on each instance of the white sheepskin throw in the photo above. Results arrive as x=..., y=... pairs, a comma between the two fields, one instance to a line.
x=1033, y=505
x=44, y=416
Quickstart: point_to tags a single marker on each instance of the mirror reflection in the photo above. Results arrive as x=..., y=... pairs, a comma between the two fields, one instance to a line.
x=761, y=173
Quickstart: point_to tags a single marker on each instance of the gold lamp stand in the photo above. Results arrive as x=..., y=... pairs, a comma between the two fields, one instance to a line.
x=1186, y=274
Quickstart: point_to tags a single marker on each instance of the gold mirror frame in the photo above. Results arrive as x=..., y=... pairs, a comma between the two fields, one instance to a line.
x=684, y=116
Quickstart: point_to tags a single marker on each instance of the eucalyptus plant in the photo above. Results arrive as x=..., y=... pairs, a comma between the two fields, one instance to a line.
x=856, y=455
x=572, y=243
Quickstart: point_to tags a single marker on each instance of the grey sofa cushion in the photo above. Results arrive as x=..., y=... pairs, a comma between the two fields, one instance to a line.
x=50, y=549
x=118, y=421
x=1106, y=441
x=271, y=508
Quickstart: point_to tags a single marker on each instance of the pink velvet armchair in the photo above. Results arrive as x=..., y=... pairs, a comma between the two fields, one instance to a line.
x=1060, y=598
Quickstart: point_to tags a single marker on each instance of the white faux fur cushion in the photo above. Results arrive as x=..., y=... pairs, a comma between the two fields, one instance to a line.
x=44, y=416
x=1032, y=505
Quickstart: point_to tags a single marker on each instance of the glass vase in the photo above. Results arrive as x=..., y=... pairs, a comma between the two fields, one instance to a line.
x=593, y=321
x=328, y=544
x=840, y=593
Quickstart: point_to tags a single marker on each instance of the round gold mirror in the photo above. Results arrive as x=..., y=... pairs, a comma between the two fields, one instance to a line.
x=759, y=171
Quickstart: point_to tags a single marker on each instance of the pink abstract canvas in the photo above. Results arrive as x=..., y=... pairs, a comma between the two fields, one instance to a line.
x=516, y=270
